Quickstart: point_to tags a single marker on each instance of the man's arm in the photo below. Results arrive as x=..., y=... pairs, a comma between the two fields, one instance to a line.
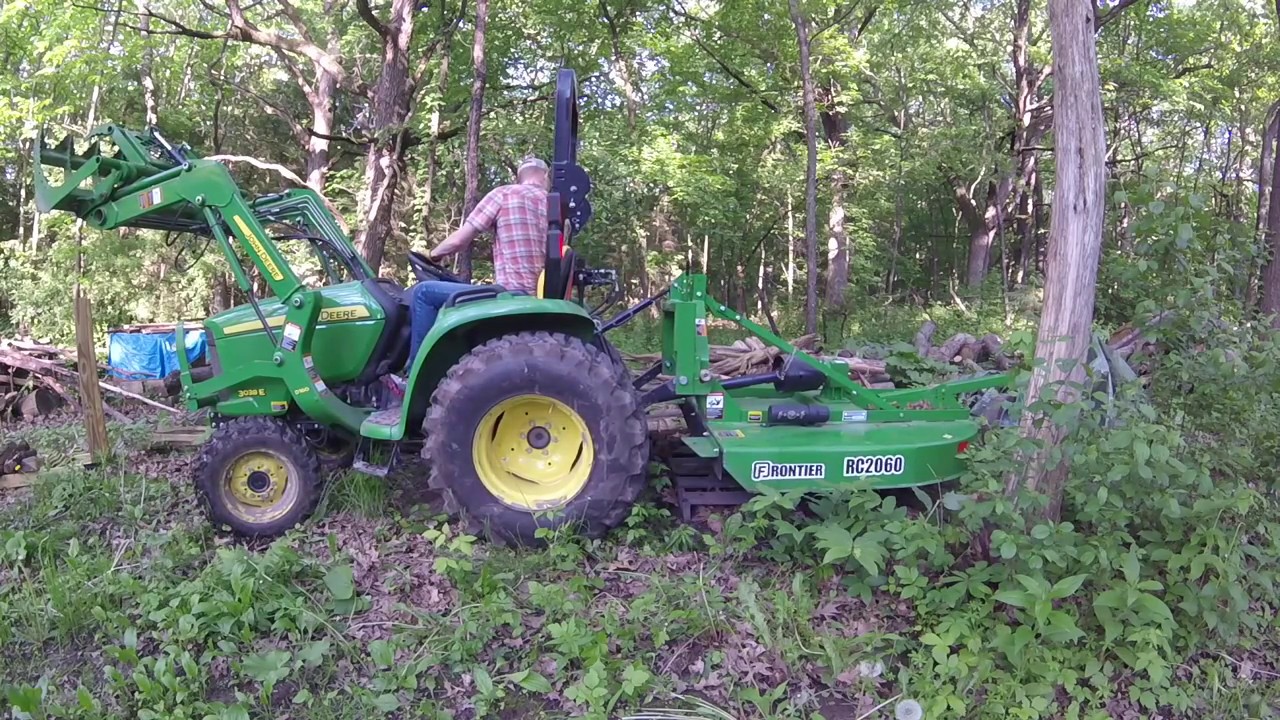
x=456, y=241
x=482, y=218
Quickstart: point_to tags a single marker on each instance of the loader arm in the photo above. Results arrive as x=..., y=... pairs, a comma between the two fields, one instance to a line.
x=148, y=183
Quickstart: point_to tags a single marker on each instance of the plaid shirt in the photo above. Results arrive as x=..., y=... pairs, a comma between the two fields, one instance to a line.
x=519, y=214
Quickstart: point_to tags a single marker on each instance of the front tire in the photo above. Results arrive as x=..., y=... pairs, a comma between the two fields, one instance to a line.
x=536, y=430
x=258, y=476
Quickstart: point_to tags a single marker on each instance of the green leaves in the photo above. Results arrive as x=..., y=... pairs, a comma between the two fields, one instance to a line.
x=531, y=681
x=837, y=541
x=340, y=582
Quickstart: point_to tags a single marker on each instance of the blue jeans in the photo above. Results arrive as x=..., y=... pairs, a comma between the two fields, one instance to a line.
x=428, y=297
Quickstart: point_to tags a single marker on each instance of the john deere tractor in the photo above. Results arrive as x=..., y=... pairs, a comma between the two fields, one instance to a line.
x=525, y=414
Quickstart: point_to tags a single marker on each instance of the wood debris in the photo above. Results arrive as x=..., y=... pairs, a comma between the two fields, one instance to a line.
x=37, y=379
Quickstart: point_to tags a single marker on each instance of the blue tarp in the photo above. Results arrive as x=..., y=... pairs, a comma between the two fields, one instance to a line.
x=145, y=356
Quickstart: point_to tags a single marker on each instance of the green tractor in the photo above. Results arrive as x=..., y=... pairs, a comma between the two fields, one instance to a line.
x=525, y=414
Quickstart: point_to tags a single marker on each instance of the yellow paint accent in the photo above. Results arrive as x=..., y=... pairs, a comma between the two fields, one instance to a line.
x=267, y=505
x=345, y=313
x=521, y=475
x=272, y=269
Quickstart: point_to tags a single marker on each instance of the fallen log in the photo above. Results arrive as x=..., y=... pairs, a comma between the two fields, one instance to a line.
x=37, y=403
x=13, y=481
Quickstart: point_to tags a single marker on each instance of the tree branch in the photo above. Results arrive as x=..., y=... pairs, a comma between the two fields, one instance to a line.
x=291, y=13
x=1141, y=155
x=370, y=19
x=734, y=74
x=1101, y=18
x=242, y=30
x=284, y=172
x=837, y=20
x=866, y=20
x=1186, y=70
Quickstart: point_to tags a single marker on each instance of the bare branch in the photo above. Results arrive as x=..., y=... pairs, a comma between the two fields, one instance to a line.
x=284, y=172
x=734, y=74
x=244, y=31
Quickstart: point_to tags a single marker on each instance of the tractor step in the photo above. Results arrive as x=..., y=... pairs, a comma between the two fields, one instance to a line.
x=362, y=463
x=697, y=483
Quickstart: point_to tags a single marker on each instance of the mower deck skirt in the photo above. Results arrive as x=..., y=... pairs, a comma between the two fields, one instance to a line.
x=838, y=454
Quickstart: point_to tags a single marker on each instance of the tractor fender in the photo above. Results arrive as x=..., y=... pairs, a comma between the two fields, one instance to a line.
x=459, y=329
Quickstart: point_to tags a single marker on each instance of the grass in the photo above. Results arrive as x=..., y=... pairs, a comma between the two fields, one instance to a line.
x=117, y=600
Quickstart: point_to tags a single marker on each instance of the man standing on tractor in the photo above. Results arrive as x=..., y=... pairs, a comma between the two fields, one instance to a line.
x=517, y=215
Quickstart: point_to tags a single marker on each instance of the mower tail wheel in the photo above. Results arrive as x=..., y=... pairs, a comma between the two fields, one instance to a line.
x=536, y=430
x=258, y=476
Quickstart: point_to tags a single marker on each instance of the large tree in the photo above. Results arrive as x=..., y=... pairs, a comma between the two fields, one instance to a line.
x=801, y=22
x=1075, y=241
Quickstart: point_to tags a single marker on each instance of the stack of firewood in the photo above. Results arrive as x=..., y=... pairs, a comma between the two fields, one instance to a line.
x=962, y=348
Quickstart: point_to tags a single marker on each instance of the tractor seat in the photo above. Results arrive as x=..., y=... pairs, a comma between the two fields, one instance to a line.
x=569, y=268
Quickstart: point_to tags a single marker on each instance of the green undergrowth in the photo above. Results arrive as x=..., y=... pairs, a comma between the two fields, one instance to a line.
x=1154, y=596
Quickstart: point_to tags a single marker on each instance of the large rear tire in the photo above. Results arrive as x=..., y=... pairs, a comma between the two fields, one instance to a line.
x=536, y=430
x=257, y=476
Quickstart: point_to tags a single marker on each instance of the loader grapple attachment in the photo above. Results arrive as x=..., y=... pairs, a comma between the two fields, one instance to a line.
x=114, y=164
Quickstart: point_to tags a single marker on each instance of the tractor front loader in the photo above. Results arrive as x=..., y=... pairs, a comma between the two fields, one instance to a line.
x=526, y=415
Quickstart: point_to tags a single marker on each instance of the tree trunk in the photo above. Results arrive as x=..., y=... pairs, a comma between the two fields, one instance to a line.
x=1075, y=242
x=1038, y=214
x=150, y=104
x=1271, y=235
x=791, y=249
x=837, y=244
x=384, y=165
x=433, y=147
x=471, y=193
x=835, y=130
x=1266, y=169
x=982, y=223
x=811, y=172
x=622, y=63
x=321, y=102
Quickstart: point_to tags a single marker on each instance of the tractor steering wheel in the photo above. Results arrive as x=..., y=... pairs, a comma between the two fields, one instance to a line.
x=426, y=269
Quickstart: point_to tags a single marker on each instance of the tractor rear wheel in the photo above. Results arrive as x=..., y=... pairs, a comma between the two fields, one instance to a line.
x=258, y=476
x=536, y=430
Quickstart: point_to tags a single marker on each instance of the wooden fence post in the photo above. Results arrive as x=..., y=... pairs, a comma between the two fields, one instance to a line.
x=95, y=419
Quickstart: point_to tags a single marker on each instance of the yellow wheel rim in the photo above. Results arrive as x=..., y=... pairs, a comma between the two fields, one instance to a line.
x=533, y=452
x=256, y=486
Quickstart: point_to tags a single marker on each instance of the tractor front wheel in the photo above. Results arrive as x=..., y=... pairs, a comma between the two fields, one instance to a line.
x=258, y=476
x=536, y=430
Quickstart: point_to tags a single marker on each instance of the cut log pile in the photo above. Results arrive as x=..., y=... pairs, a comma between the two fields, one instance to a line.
x=37, y=380
x=751, y=356
x=963, y=349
